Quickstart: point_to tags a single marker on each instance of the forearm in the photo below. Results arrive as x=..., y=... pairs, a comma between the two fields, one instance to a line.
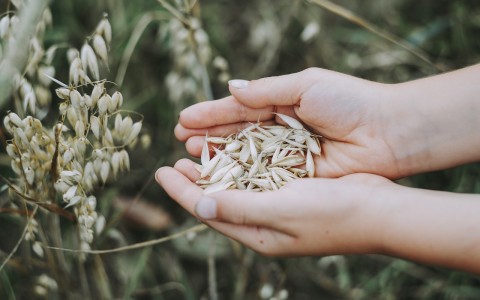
x=435, y=122
x=432, y=227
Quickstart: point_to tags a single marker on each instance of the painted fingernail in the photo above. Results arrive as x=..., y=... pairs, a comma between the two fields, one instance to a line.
x=206, y=208
x=238, y=83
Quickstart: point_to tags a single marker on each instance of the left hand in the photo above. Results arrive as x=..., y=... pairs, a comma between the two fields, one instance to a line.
x=305, y=217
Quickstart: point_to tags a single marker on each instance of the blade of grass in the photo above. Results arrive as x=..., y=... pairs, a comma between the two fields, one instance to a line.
x=101, y=276
x=141, y=263
x=142, y=24
x=354, y=18
x=6, y=286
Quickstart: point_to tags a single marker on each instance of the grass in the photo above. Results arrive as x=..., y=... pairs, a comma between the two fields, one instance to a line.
x=444, y=32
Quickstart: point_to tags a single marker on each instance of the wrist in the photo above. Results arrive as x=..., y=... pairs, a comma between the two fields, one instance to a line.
x=433, y=227
x=365, y=230
x=432, y=123
x=406, y=131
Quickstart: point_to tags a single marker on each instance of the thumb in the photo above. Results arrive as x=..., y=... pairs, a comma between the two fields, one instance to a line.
x=278, y=90
x=237, y=207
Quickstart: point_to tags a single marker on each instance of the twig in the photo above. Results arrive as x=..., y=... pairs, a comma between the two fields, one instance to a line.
x=20, y=240
x=177, y=14
x=196, y=228
x=352, y=17
x=48, y=206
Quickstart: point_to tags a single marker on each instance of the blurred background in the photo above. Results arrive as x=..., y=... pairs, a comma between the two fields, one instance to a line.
x=166, y=55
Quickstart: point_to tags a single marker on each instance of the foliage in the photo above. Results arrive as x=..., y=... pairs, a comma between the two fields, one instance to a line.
x=162, y=65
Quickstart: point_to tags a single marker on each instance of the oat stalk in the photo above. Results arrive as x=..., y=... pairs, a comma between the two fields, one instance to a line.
x=164, y=239
x=354, y=18
x=20, y=240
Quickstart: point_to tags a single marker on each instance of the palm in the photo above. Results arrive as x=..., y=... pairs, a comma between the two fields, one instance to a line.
x=342, y=109
x=353, y=141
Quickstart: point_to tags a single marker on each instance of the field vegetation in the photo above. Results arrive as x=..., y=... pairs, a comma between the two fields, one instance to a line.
x=161, y=56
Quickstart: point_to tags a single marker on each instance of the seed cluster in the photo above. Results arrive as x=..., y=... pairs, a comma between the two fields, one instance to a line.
x=31, y=88
x=83, y=150
x=259, y=158
x=85, y=62
x=190, y=50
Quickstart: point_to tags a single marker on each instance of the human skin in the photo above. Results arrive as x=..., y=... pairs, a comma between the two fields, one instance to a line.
x=354, y=214
x=392, y=130
x=388, y=130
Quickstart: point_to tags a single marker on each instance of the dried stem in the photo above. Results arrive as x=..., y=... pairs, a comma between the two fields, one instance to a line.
x=48, y=206
x=177, y=235
x=20, y=240
x=352, y=17
x=242, y=279
x=212, y=274
x=177, y=14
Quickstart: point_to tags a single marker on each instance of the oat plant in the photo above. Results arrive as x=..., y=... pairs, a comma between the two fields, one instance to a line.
x=59, y=168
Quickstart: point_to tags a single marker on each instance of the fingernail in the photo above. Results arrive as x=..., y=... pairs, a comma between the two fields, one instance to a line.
x=238, y=83
x=206, y=208
x=157, y=173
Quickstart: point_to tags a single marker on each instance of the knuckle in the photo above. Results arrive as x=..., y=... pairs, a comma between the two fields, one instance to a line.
x=310, y=72
x=242, y=112
x=236, y=216
x=241, y=217
x=181, y=163
x=180, y=133
x=266, y=83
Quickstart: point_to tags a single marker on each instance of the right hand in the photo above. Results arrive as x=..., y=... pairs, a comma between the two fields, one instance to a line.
x=349, y=112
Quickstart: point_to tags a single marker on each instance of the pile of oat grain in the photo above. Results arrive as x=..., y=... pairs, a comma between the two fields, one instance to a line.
x=259, y=158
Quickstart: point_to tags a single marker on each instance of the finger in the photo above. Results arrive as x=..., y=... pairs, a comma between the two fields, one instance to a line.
x=188, y=169
x=194, y=145
x=179, y=187
x=279, y=90
x=182, y=133
x=240, y=207
x=220, y=112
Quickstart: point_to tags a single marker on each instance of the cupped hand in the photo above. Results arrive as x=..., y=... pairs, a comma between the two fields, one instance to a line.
x=347, y=111
x=306, y=217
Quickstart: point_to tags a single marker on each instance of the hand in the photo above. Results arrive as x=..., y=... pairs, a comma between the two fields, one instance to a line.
x=305, y=217
x=347, y=111
x=358, y=213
